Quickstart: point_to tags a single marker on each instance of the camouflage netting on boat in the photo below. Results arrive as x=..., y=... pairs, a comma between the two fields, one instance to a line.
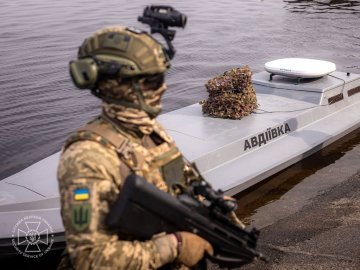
x=231, y=95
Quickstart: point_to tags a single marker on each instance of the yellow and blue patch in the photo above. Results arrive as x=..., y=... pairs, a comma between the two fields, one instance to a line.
x=81, y=194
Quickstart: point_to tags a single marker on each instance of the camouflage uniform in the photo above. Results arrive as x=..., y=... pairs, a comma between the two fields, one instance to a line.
x=93, y=163
x=125, y=139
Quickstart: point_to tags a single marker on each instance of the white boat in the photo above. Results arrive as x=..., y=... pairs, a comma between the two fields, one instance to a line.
x=295, y=118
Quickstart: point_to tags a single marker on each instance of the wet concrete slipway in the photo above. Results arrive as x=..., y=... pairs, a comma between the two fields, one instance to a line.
x=323, y=234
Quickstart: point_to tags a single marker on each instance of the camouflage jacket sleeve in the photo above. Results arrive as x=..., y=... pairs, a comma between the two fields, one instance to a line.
x=90, y=180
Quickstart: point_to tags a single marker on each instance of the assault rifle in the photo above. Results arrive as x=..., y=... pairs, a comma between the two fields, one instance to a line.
x=142, y=210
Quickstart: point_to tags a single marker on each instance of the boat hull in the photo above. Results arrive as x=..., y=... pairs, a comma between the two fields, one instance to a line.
x=293, y=121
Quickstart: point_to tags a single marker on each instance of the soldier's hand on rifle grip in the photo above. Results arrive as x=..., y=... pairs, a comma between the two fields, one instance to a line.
x=192, y=248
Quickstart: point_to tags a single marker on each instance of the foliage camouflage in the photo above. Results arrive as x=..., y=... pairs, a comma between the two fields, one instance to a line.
x=231, y=95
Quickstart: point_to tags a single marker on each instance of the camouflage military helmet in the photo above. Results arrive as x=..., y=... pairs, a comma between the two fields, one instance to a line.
x=120, y=52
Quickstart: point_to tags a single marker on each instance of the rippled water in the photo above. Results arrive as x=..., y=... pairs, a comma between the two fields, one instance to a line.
x=39, y=105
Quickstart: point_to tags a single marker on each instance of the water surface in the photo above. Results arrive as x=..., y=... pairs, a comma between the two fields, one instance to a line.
x=39, y=106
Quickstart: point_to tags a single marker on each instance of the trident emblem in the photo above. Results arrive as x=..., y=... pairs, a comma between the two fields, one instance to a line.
x=81, y=216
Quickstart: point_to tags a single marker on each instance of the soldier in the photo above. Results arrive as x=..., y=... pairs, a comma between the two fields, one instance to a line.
x=124, y=68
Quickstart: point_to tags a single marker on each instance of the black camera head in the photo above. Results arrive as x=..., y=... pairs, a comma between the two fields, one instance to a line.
x=166, y=15
x=159, y=18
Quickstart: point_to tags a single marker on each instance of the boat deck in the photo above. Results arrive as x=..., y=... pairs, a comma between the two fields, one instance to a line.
x=292, y=121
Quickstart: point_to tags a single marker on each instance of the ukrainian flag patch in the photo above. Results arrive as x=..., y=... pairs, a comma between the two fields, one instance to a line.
x=81, y=194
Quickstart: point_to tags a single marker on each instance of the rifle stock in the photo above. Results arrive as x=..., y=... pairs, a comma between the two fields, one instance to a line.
x=142, y=210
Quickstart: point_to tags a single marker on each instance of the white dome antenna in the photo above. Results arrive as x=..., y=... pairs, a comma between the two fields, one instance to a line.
x=299, y=68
